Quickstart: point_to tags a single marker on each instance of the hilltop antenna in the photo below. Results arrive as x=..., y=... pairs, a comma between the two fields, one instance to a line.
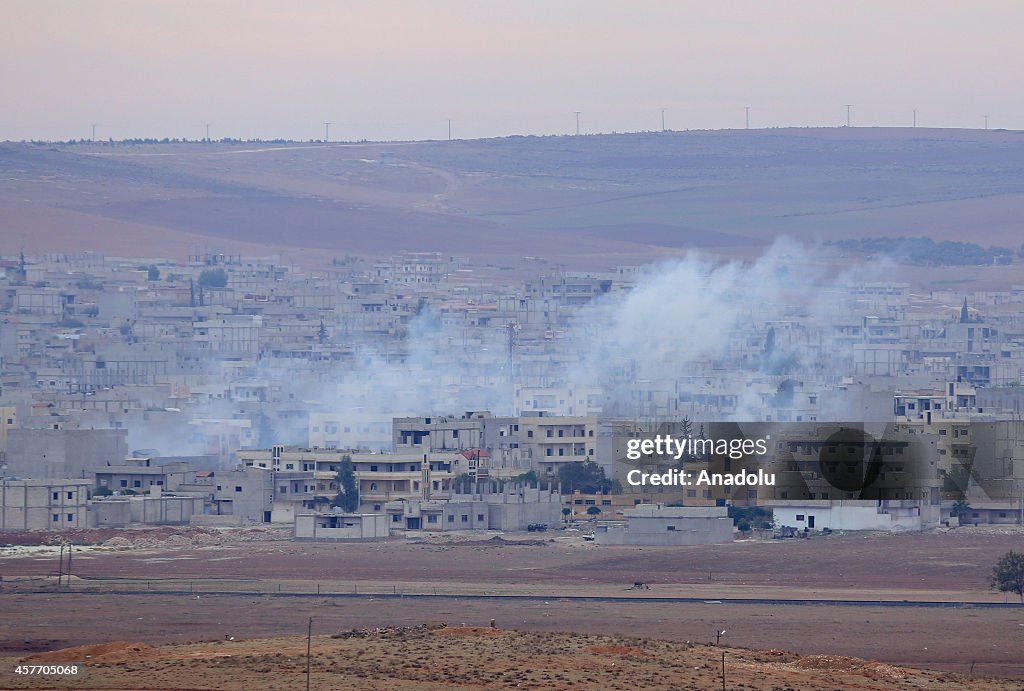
x=449, y=129
x=577, y=123
x=93, y=132
x=207, y=132
x=327, y=132
x=662, y=119
x=848, y=106
x=915, y=117
x=746, y=114
x=986, y=122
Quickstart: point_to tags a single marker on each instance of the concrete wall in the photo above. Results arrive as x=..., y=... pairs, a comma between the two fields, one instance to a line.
x=654, y=524
x=154, y=510
x=165, y=510
x=110, y=513
x=315, y=526
x=43, y=505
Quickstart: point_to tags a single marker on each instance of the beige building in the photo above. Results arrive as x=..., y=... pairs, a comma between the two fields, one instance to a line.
x=43, y=504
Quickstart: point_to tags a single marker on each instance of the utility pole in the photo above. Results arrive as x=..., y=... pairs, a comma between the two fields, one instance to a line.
x=207, y=132
x=915, y=118
x=746, y=113
x=309, y=648
x=327, y=132
x=848, y=106
x=986, y=122
x=93, y=132
x=60, y=566
x=577, y=123
x=449, y=129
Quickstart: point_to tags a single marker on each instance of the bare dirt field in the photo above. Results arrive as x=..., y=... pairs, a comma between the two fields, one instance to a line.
x=160, y=587
x=956, y=561
x=444, y=657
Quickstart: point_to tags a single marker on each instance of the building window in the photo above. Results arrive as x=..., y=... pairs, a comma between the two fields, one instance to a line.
x=56, y=518
x=238, y=488
x=799, y=517
x=137, y=483
x=691, y=493
x=396, y=518
x=606, y=502
x=480, y=517
x=707, y=494
x=71, y=517
x=465, y=518
x=670, y=527
x=578, y=502
x=124, y=483
x=451, y=518
x=432, y=518
x=56, y=496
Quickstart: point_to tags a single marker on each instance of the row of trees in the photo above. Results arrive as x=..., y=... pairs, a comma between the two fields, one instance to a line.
x=927, y=251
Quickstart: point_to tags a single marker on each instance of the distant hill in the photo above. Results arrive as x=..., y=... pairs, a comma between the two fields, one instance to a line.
x=591, y=200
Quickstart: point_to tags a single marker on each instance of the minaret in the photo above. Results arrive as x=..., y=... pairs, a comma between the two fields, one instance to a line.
x=964, y=315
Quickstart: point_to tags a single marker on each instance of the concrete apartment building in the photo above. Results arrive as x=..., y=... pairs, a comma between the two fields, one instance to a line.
x=62, y=453
x=509, y=507
x=304, y=479
x=44, y=504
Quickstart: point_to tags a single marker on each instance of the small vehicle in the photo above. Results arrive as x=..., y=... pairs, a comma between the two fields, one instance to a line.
x=589, y=537
x=537, y=527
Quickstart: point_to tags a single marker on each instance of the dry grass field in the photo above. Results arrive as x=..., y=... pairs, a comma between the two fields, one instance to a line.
x=589, y=201
x=444, y=657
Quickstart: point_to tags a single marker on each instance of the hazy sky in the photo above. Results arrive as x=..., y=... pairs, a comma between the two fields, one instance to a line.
x=398, y=70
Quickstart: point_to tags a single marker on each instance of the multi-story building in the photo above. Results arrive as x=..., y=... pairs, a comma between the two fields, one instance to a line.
x=44, y=504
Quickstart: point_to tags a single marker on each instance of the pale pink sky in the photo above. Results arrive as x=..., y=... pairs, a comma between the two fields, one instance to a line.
x=398, y=70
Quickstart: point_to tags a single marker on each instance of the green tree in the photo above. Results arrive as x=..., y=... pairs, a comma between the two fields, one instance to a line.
x=1008, y=574
x=529, y=478
x=593, y=510
x=462, y=483
x=154, y=273
x=565, y=512
x=213, y=278
x=587, y=477
x=961, y=507
x=348, y=490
